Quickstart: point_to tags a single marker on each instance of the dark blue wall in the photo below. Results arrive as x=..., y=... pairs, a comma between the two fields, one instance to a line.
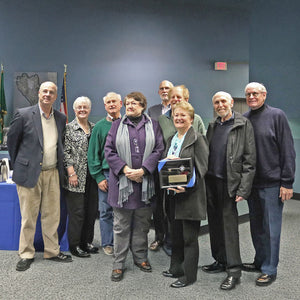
x=125, y=46
x=132, y=45
x=275, y=59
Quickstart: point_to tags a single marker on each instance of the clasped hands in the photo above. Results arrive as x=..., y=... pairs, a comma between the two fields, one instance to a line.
x=134, y=174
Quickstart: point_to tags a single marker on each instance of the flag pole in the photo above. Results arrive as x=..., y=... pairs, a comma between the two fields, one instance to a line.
x=63, y=101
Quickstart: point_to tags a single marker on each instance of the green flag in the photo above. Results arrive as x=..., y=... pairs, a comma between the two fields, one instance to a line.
x=3, y=110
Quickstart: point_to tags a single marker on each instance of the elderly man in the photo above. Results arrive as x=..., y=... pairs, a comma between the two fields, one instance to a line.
x=160, y=109
x=231, y=168
x=160, y=222
x=36, y=152
x=273, y=181
x=175, y=95
x=99, y=168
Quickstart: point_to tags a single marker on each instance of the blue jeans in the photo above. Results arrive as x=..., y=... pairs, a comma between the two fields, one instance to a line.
x=106, y=217
x=265, y=212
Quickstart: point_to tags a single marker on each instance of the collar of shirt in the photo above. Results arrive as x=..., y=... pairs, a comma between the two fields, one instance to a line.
x=218, y=120
x=165, y=109
x=111, y=118
x=43, y=114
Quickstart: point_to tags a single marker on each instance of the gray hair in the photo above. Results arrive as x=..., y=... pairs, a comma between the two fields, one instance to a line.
x=82, y=99
x=257, y=85
x=112, y=95
x=224, y=94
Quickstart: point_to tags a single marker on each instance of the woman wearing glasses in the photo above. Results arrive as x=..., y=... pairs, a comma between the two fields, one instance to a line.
x=186, y=205
x=81, y=189
x=133, y=147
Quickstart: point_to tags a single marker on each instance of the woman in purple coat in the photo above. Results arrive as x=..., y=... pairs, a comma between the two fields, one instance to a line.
x=133, y=147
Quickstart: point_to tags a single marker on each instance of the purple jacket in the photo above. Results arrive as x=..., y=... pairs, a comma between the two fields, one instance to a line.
x=116, y=164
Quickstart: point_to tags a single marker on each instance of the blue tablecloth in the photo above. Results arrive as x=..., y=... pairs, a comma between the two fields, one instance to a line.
x=10, y=221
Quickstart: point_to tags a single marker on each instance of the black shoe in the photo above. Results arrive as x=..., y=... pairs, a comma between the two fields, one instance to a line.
x=169, y=274
x=90, y=248
x=251, y=267
x=24, y=264
x=229, y=283
x=265, y=279
x=216, y=267
x=77, y=251
x=178, y=284
x=117, y=275
x=61, y=257
x=144, y=266
x=167, y=249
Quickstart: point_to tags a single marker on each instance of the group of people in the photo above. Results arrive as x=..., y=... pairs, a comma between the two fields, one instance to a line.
x=248, y=157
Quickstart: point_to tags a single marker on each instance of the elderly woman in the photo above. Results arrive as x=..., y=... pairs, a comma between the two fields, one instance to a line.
x=133, y=147
x=186, y=206
x=81, y=190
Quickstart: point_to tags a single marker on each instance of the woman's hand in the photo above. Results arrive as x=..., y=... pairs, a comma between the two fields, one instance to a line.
x=178, y=189
x=73, y=180
x=172, y=157
x=134, y=174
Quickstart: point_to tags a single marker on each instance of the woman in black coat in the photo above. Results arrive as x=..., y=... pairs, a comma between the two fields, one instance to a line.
x=186, y=206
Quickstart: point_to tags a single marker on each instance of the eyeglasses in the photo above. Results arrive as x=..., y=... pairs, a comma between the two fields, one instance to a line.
x=80, y=107
x=255, y=94
x=132, y=103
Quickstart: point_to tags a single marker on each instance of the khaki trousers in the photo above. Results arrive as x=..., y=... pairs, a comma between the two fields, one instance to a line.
x=44, y=198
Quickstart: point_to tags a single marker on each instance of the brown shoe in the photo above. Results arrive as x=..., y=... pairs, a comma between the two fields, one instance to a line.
x=117, y=275
x=144, y=266
x=108, y=250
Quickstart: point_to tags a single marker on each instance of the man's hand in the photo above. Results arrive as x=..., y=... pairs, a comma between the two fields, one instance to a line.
x=103, y=185
x=285, y=194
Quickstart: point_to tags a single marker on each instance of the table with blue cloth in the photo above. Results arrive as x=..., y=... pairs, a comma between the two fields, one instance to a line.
x=10, y=221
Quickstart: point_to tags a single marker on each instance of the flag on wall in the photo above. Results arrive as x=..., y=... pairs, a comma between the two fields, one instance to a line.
x=63, y=99
x=3, y=109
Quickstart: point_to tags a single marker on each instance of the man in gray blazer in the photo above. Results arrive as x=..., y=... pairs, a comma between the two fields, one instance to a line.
x=159, y=220
x=35, y=147
x=159, y=109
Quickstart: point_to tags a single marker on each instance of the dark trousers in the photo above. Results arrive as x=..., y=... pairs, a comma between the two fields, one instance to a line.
x=223, y=226
x=82, y=212
x=160, y=220
x=185, y=248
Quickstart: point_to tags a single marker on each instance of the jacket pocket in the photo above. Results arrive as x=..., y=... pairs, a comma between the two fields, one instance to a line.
x=22, y=161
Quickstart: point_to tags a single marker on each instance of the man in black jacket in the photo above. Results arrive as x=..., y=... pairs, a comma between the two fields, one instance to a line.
x=231, y=169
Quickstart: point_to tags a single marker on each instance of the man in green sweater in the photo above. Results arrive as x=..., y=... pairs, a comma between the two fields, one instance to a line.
x=99, y=168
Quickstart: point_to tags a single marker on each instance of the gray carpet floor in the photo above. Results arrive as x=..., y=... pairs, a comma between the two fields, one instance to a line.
x=89, y=278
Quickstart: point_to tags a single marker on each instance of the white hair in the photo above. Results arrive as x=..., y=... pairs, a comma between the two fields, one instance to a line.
x=257, y=85
x=112, y=95
x=82, y=99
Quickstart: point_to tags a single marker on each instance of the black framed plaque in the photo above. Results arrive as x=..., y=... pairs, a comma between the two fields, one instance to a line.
x=176, y=172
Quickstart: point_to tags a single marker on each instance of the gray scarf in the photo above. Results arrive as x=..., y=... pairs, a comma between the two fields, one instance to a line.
x=124, y=152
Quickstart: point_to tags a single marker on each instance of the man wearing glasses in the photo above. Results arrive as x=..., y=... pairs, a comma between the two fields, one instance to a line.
x=273, y=181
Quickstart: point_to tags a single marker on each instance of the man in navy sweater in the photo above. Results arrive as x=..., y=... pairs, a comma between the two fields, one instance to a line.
x=273, y=181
